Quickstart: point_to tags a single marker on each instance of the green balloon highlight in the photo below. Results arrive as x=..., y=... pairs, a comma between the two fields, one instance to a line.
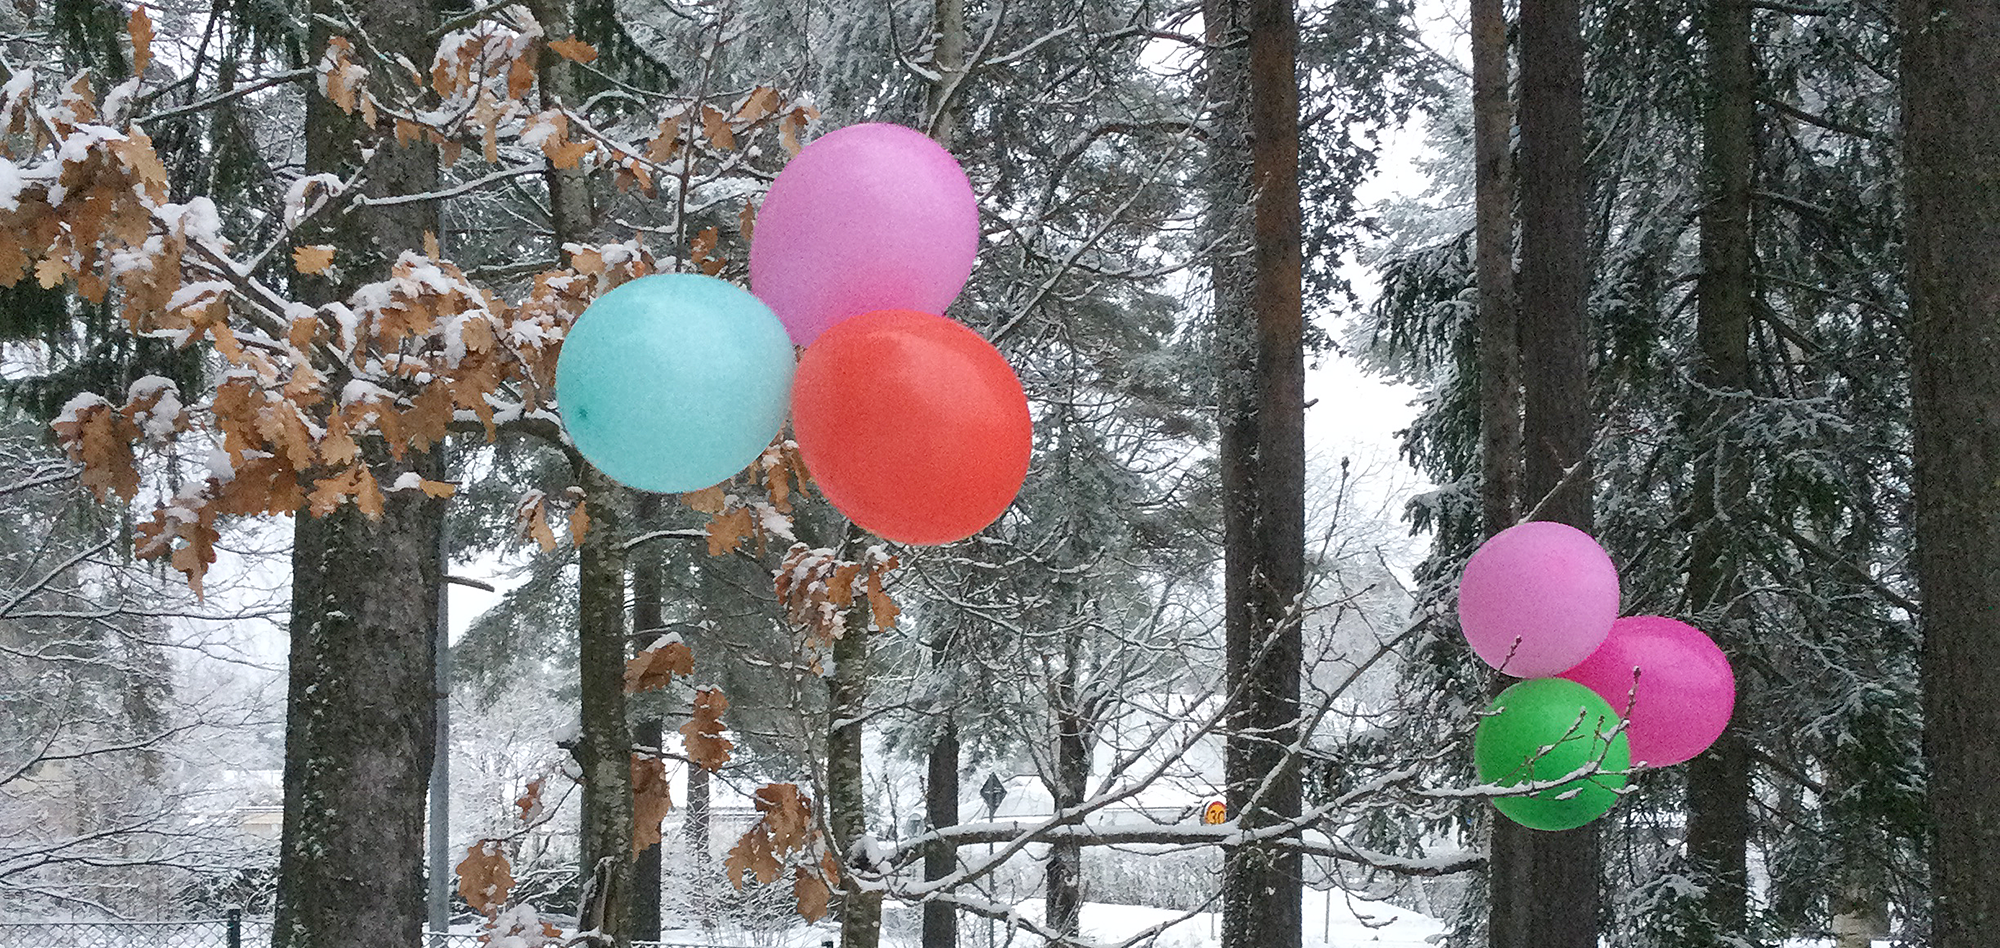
x=1545, y=729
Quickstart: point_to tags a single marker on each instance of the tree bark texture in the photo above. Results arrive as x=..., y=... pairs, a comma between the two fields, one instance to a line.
x=1493, y=233
x=359, y=723
x=1719, y=780
x=360, y=708
x=701, y=892
x=604, y=748
x=1064, y=899
x=860, y=910
x=572, y=212
x=1545, y=885
x=648, y=620
x=1261, y=395
x=644, y=906
x=1951, y=140
x=941, y=791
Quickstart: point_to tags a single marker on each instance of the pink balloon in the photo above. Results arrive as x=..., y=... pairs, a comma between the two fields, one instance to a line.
x=1671, y=683
x=1537, y=598
x=868, y=217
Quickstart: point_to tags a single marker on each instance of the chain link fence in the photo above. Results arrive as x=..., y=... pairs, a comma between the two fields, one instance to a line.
x=237, y=930
x=233, y=931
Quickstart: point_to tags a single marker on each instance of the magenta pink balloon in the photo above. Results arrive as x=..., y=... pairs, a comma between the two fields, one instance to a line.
x=1537, y=598
x=868, y=217
x=1669, y=681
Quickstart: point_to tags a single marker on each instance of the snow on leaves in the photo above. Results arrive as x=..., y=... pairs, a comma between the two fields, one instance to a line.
x=314, y=259
x=317, y=408
x=817, y=588
x=785, y=835
x=484, y=876
x=656, y=666
x=100, y=437
x=529, y=803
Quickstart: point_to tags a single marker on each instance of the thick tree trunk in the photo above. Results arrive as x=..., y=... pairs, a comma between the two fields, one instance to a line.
x=1951, y=136
x=1493, y=231
x=359, y=724
x=1259, y=333
x=1544, y=885
x=1719, y=780
x=604, y=749
x=847, y=809
x=360, y=710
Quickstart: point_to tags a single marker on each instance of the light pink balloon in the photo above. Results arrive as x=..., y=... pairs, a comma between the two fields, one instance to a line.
x=1671, y=683
x=869, y=217
x=1537, y=598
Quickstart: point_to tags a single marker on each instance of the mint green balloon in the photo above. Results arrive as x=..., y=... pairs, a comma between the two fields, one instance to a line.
x=1509, y=747
x=674, y=382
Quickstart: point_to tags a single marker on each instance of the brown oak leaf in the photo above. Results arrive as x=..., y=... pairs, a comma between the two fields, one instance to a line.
x=706, y=746
x=485, y=877
x=575, y=50
x=651, y=799
x=656, y=666
x=811, y=892
x=312, y=258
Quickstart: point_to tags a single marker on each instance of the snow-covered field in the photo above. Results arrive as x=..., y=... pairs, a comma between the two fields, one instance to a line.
x=1350, y=922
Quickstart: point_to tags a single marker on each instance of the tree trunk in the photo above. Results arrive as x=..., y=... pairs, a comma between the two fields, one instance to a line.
x=1719, y=780
x=1063, y=903
x=359, y=723
x=941, y=809
x=572, y=213
x=644, y=907
x=1259, y=335
x=1951, y=137
x=604, y=749
x=1493, y=231
x=1544, y=885
x=847, y=810
x=940, y=927
x=648, y=620
x=701, y=894
x=360, y=712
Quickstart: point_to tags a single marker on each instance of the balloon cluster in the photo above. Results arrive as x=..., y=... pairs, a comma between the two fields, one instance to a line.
x=1540, y=601
x=914, y=426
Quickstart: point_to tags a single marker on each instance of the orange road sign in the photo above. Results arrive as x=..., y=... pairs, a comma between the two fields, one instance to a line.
x=1215, y=814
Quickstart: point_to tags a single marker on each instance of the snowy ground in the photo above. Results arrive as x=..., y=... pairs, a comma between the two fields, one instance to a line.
x=1351, y=922
x=1347, y=923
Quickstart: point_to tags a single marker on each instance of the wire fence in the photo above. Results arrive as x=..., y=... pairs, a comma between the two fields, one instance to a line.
x=235, y=930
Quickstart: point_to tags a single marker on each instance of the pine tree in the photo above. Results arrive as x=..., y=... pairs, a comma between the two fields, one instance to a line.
x=1951, y=118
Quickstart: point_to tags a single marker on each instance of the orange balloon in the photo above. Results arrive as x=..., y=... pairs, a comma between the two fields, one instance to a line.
x=913, y=426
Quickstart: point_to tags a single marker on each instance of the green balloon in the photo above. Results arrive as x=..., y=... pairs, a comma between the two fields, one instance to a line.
x=1544, y=729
